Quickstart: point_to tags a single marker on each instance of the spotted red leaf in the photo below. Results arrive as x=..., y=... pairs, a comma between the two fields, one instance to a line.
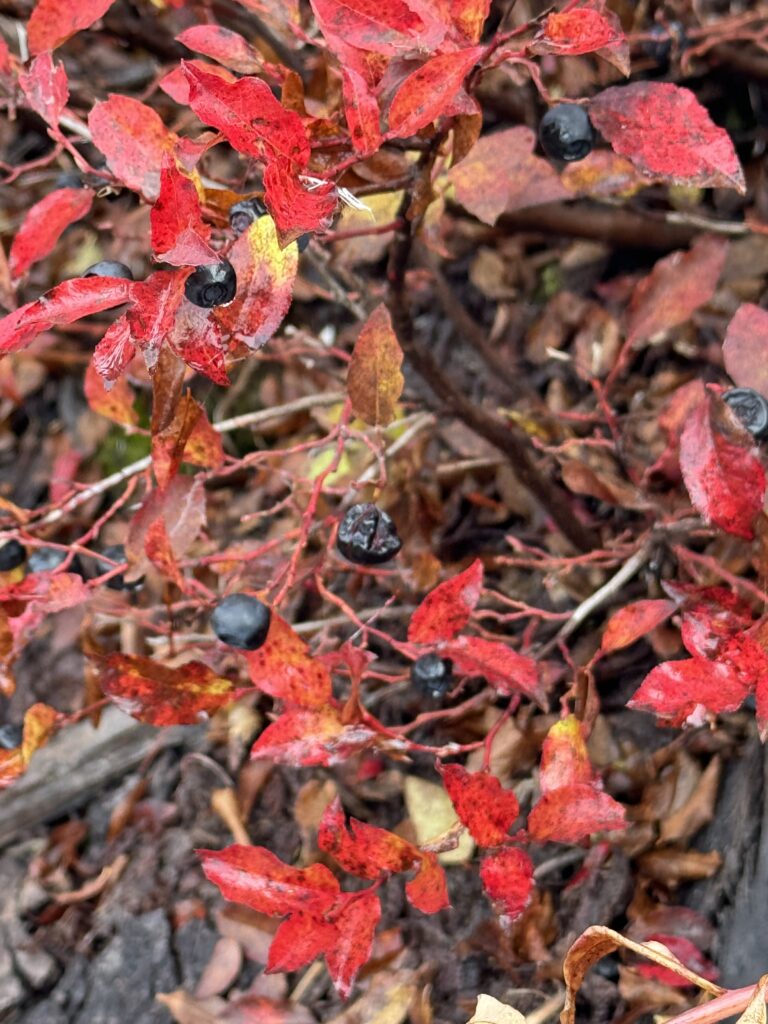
x=284, y=668
x=44, y=224
x=134, y=140
x=587, y=29
x=710, y=617
x=665, y=132
x=179, y=234
x=427, y=891
x=257, y=878
x=196, y=336
x=676, y=691
x=265, y=278
x=300, y=939
x=355, y=919
x=362, y=849
x=46, y=88
x=633, y=621
x=361, y=110
x=507, y=878
x=116, y=404
x=295, y=207
x=572, y=813
x=428, y=90
x=722, y=472
x=505, y=669
x=306, y=736
x=393, y=28
x=159, y=695
x=676, y=287
x=176, y=84
x=482, y=805
x=744, y=348
x=229, y=107
x=225, y=46
x=53, y=22
x=447, y=609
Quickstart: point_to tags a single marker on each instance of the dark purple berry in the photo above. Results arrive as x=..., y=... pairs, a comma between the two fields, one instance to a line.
x=11, y=736
x=244, y=213
x=68, y=179
x=367, y=536
x=48, y=559
x=566, y=132
x=109, y=268
x=303, y=241
x=751, y=409
x=12, y=555
x=213, y=284
x=658, y=47
x=432, y=675
x=116, y=553
x=241, y=621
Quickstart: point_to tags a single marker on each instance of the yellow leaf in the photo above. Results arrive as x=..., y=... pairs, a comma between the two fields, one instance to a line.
x=491, y=1011
x=374, y=380
x=432, y=813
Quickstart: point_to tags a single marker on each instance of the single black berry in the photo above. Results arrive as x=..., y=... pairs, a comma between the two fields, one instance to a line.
x=116, y=553
x=213, y=284
x=48, y=559
x=241, y=621
x=244, y=213
x=751, y=408
x=11, y=736
x=109, y=268
x=566, y=132
x=367, y=535
x=432, y=675
x=12, y=555
x=661, y=38
x=303, y=241
x=68, y=179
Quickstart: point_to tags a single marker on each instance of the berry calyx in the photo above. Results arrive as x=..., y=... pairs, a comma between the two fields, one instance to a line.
x=241, y=621
x=116, y=553
x=566, y=133
x=244, y=213
x=751, y=409
x=367, y=536
x=109, y=268
x=12, y=555
x=213, y=284
x=432, y=675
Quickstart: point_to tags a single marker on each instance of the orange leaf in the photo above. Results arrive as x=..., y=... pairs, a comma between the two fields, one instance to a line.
x=116, y=403
x=284, y=668
x=374, y=379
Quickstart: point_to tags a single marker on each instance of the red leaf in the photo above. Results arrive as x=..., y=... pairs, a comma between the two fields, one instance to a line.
x=229, y=107
x=181, y=504
x=284, y=668
x=564, y=757
x=169, y=440
x=300, y=939
x=196, y=337
x=134, y=140
x=748, y=657
x=427, y=891
x=675, y=288
x=69, y=301
x=711, y=616
x=482, y=805
x=114, y=352
x=469, y=17
x=507, y=878
x=572, y=813
x=257, y=878
x=725, y=479
x=362, y=113
x=265, y=278
x=584, y=30
x=676, y=690
x=686, y=952
x=393, y=28
x=116, y=404
x=665, y=132
x=158, y=695
x=46, y=88
x=425, y=93
x=506, y=670
x=157, y=545
x=527, y=179
x=227, y=47
x=179, y=234
x=629, y=624
x=53, y=22
x=44, y=224
x=48, y=593
x=303, y=736
x=356, y=922
x=744, y=348
x=361, y=849
x=761, y=706
x=295, y=209
x=176, y=84
x=446, y=610
x=672, y=419
x=156, y=301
